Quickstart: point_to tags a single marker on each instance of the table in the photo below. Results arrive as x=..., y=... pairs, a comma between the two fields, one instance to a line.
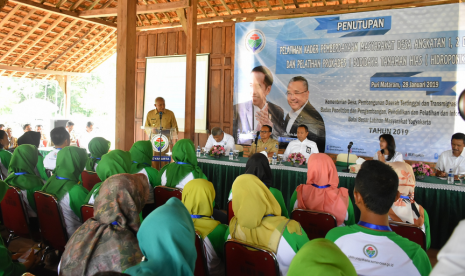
x=444, y=203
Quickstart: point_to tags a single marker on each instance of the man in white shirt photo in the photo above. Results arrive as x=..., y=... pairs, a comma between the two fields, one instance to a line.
x=452, y=159
x=219, y=137
x=301, y=144
x=60, y=138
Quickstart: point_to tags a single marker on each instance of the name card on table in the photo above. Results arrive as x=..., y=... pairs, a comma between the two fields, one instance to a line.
x=163, y=158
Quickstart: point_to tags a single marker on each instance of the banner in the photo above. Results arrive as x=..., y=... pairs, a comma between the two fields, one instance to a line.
x=354, y=77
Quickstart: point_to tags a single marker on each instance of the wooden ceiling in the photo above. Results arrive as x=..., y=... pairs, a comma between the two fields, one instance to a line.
x=39, y=37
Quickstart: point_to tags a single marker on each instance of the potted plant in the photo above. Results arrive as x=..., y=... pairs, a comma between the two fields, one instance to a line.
x=217, y=151
x=296, y=159
x=421, y=170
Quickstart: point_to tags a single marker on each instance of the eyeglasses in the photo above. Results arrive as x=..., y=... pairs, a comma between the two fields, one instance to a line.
x=296, y=93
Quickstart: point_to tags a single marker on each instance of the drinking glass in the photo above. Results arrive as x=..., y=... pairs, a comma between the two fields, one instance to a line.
x=461, y=176
x=236, y=154
x=280, y=159
x=204, y=150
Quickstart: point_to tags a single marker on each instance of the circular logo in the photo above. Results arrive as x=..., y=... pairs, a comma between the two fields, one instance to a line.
x=370, y=251
x=255, y=41
x=160, y=143
x=461, y=104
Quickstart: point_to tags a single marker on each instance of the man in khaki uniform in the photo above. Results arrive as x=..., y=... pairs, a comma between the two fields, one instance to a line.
x=266, y=143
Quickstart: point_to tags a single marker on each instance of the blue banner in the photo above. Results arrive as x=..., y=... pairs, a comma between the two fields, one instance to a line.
x=163, y=158
x=353, y=77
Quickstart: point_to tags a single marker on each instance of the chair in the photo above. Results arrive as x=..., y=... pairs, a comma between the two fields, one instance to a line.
x=230, y=211
x=409, y=231
x=247, y=259
x=51, y=222
x=87, y=212
x=89, y=179
x=15, y=217
x=201, y=267
x=316, y=224
x=163, y=193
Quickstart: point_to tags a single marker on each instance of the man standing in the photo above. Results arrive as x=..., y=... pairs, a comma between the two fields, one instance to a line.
x=27, y=128
x=252, y=115
x=218, y=137
x=69, y=128
x=153, y=116
x=12, y=141
x=266, y=143
x=88, y=135
x=452, y=159
x=42, y=136
x=303, y=113
x=301, y=144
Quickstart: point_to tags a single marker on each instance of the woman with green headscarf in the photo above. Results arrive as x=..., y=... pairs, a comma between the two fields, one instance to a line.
x=184, y=168
x=114, y=162
x=168, y=250
x=33, y=138
x=98, y=146
x=22, y=176
x=64, y=184
x=257, y=220
x=321, y=257
x=141, y=153
x=5, y=156
x=198, y=196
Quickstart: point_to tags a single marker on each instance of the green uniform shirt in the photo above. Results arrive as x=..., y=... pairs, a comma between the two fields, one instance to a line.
x=270, y=146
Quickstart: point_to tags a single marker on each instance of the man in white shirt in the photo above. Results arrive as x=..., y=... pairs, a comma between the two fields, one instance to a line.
x=88, y=135
x=218, y=137
x=301, y=144
x=452, y=159
x=60, y=138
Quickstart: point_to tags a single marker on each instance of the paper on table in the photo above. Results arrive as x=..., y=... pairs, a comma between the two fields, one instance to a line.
x=359, y=161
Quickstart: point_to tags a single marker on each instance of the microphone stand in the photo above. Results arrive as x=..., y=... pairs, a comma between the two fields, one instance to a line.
x=161, y=128
x=256, y=143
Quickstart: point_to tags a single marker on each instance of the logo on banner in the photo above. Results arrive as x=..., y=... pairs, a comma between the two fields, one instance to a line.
x=370, y=251
x=160, y=143
x=255, y=41
x=436, y=156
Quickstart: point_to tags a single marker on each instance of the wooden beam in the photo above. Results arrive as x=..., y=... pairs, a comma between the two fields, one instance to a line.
x=54, y=10
x=40, y=71
x=210, y=6
x=125, y=74
x=19, y=24
x=226, y=6
x=9, y=15
x=76, y=4
x=97, y=55
x=191, y=65
x=141, y=9
x=182, y=19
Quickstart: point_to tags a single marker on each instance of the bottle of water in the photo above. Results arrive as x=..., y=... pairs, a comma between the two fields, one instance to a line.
x=275, y=159
x=198, y=151
x=450, y=177
x=231, y=155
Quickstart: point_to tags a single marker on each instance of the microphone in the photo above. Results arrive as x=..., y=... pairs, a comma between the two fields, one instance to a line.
x=161, y=114
x=350, y=145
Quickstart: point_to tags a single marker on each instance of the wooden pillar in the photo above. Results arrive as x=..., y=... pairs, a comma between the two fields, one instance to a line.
x=125, y=74
x=64, y=82
x=191, y=56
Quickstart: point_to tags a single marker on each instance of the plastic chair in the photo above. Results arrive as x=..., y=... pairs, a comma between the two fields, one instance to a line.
x=89, y=179
x=230, y=211
x=51, y=222
x=87, y=212
x=316, y=224
x=409, y=231
x=163, y=193
x=201, y=267
x=247, y=259
x=15, y=217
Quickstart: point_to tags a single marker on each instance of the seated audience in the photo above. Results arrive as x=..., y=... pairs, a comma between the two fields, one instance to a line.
x=451, y=256
x=108, y=242
x=60, y=138
x=9, y=266
x=5, y=156
x=2, y=127
x=321, y=192
x=72, y=134
x=452, y=159
x=33, y=138
x=167, y=241
x=112, y=163
x=184, y=168
x=12, y=141
x=98, y=146
x=257, y=220
x=301, y=144
x=220, y=138
x=259, y=166
x=265, y=143
x=387, y=152
x=198, y=197
x=405, y=209
x=43, y=138
x=27, y=127
x=321, y=257
x=141, y=153
x=375, y=190
x=22, y=176
x=64, y=184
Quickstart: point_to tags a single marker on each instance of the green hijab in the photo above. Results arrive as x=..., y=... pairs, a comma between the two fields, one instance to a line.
x=168, y=250
x=70, y=164
x=321, y=257
x=141, y=153
x=98, y=146
x=114, y=162
x=21, y=171
x=185, y=162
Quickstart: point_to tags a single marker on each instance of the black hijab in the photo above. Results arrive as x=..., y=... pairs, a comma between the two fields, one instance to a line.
x=30, y=138
x=259, y=166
